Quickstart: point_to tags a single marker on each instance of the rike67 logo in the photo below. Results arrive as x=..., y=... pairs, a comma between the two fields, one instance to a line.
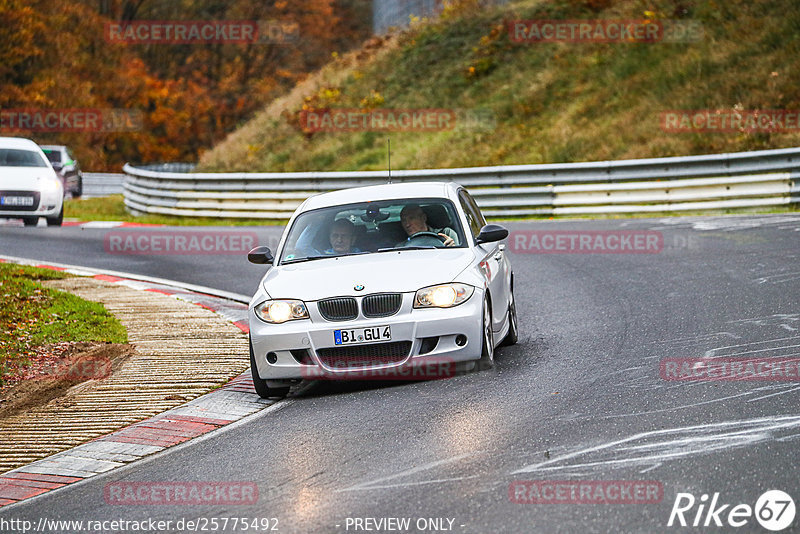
x=774, y=510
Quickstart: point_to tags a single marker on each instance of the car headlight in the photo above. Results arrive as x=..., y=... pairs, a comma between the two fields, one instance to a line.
x=50, y=184
x=443, y=295
x=280, y=311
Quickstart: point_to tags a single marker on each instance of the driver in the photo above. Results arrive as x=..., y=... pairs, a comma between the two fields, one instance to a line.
x=413, y=220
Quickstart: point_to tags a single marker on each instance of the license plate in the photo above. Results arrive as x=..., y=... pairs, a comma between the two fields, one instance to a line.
x=355, y=336
x=16, y=201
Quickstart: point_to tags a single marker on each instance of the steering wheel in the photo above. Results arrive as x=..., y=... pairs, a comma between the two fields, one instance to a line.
x=424, y=239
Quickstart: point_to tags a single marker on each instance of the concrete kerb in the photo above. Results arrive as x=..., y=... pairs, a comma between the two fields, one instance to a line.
x=206, y=413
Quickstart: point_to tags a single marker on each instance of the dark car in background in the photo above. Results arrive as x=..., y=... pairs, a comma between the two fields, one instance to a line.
x=67, y=168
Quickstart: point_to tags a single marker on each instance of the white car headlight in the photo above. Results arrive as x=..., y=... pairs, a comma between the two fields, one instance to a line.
x=50, y=184
x=443, y=295
x=280, y=311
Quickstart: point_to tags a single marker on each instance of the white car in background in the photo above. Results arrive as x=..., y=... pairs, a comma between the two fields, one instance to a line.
x=29, y=187
x=356, y=288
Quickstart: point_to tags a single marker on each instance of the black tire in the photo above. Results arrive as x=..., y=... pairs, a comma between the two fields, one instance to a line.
x=30, y=221
x=260, y=385
x=79, y=189
x=58, y=219
x=513, y=330
x=487, y=339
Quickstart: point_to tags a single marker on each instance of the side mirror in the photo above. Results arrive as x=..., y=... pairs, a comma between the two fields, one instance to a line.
x=491, y=233
x=260, y=256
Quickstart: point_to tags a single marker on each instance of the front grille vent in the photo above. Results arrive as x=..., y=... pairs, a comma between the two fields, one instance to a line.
x=381, y=305
x=32, y=205
x=359, y=356
x=338, y=309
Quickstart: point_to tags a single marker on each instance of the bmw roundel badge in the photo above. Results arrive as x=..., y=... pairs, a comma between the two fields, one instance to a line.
x=358, y=287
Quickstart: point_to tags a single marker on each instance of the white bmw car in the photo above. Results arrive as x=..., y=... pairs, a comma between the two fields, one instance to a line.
x=29, y=187
x=375, y=281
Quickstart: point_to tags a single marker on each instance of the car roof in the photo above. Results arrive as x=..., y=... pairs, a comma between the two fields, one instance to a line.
x=53, y=147
x=372, y=193
x=18, y=142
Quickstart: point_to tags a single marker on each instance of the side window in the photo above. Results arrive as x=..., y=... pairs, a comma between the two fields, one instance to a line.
x=474, y=217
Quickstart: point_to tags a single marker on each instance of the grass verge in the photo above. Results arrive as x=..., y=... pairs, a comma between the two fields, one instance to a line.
x=32, y=316
x=659, y=214
x=112, y=208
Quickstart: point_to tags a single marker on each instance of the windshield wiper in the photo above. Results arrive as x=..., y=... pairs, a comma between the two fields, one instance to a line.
x=416, y=247
x=307, y=258
x=321, y=256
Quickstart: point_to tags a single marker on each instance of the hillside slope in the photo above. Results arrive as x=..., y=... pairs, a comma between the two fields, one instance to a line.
x=548, y=102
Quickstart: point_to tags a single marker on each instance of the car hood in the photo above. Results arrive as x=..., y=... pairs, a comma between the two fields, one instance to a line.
x=402, y=272
x=24, y=178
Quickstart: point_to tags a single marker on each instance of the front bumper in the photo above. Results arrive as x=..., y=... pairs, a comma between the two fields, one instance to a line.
x=46, y=204
x=416, y=326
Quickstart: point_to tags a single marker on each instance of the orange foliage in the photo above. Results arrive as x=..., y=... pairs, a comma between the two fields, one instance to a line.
x=54, y=55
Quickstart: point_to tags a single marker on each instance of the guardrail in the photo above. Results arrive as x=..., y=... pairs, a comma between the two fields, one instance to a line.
x=101, y=184
x=718, y=181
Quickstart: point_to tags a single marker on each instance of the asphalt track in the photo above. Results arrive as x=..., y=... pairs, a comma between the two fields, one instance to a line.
x=580, y=398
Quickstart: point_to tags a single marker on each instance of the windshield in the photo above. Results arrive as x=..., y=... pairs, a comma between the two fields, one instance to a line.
x=53, y=155
x=373, y=227
x=12, y=157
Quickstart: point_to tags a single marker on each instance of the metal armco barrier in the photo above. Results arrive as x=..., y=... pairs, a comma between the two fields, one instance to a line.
x=101, y=184
x=718, y=181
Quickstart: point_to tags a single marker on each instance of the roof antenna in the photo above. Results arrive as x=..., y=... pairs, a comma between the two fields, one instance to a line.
x=389, y=154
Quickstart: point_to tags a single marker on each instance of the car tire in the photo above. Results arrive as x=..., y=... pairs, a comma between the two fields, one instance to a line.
x=30, y=221
x=487, y=338
x=78, y=192
x=260, y=385
x=513, y=328
x=57, y=220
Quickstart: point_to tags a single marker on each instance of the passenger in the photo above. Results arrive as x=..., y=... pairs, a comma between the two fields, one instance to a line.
x=414, y=220
x=342, y=237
